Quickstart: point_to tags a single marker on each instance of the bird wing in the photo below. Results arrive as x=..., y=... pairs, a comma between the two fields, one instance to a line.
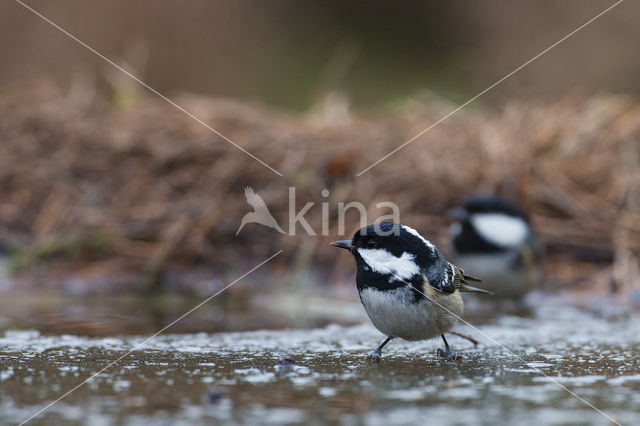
x=453, y=278
x=254, y=199
x=531, y=253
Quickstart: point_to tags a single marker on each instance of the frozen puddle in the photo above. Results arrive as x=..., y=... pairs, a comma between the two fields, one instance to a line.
x=514, y=376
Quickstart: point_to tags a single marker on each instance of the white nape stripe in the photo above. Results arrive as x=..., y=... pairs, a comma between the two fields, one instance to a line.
x=417, y=234
x=384, y=262
x=500, y=229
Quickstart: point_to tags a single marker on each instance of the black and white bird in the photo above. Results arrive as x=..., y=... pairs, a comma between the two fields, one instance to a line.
x=407, y=287
x=494, y=239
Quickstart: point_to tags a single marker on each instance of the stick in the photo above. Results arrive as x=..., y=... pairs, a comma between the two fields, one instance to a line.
x=464, y=336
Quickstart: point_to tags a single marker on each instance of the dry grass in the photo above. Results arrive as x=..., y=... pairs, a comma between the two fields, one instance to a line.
x=147, y=188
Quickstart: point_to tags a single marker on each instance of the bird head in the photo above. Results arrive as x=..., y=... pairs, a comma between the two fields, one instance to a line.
x=394, y=251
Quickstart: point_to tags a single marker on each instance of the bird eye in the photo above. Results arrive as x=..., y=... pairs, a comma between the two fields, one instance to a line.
x=371, y=244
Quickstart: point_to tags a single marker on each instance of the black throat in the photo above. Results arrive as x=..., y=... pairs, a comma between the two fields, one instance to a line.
x=367, y=278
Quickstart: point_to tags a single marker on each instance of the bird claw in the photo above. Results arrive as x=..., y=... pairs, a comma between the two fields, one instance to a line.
x=374, y=356
x=449, y=355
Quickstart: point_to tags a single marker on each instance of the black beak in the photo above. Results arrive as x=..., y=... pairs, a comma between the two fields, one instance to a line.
x=458, y=214
x=345, y=244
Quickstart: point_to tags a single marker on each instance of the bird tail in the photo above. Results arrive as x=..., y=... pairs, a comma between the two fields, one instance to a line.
x=470, y=278
x=471, y=289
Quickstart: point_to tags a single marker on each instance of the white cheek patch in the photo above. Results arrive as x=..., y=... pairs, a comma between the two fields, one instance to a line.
x=500, y=229
x=417, y=234
x=383, y=262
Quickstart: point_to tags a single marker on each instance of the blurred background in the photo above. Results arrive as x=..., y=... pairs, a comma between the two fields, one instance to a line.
x=289, y=54
x=112, y=201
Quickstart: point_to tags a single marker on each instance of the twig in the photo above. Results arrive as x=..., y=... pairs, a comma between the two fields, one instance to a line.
x=464, y=336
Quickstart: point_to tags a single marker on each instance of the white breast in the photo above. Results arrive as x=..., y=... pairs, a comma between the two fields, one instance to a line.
x=498, y=272
x=394, y=313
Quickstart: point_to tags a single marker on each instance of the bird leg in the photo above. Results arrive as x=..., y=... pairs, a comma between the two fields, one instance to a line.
x=448, y=354
x=376, y=355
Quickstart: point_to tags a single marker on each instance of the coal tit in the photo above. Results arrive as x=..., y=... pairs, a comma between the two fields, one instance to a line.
x=407, y=287
x=494, y=239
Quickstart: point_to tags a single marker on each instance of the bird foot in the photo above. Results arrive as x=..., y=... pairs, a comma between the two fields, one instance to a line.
x=375, y=356
x=449, y=355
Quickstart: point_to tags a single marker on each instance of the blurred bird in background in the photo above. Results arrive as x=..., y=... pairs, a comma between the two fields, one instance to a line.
x=493, y=239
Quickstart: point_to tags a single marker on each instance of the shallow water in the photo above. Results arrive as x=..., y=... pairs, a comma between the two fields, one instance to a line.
x=234, y=378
